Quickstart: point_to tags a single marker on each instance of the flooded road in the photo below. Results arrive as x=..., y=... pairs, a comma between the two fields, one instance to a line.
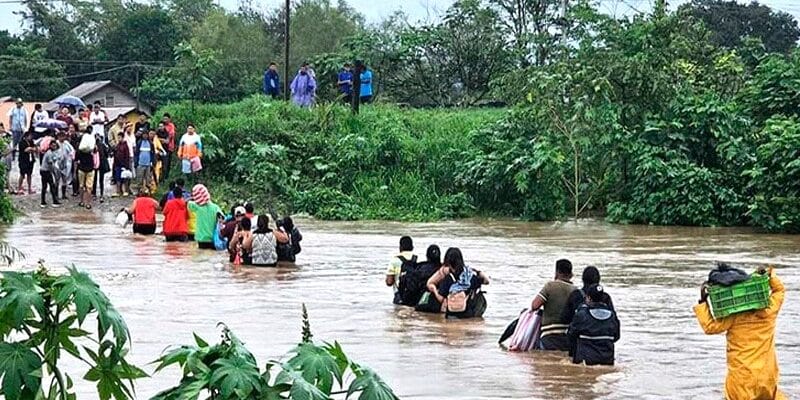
x=167, y=291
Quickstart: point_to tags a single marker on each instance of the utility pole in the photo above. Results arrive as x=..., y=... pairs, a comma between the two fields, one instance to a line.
x=286, y=52
x=564, y=23
x=136, y=67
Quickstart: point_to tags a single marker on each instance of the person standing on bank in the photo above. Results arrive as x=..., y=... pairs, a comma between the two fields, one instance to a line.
x=304, y=88
x=272, y=81
x=98, y=118
x=345, y=84
x=366, y=85
x=17, y=122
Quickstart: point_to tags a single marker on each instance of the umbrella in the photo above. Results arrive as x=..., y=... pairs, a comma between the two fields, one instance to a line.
x=70, y=101
x=50, y=123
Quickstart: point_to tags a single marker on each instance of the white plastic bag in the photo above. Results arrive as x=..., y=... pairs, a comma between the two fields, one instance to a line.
x=126, y=174
x=122, y=219
x=87, y=144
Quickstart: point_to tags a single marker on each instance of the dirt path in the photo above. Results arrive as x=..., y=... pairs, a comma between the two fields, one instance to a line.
x=29, y=203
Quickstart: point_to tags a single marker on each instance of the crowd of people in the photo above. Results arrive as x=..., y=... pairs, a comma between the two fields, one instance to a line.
x=249, y=238
x=303, y=87
x=75, y=150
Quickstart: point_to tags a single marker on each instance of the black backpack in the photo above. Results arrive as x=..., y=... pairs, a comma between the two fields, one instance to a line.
x=411, y=286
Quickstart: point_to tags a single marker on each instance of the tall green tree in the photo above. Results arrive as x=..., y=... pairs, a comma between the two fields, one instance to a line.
x=144, y=34
x=26, y=73
x=731, y=22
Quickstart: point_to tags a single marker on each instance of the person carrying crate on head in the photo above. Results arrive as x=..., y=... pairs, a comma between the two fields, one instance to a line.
x=752, y=364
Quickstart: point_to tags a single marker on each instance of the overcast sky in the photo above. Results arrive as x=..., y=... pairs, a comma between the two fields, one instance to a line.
x=376, y=10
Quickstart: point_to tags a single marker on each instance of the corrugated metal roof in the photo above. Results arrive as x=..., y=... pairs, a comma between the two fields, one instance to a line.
x=85, y=89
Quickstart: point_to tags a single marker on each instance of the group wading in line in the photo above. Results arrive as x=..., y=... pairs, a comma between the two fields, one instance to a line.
x=582, y=322
x=249, y=239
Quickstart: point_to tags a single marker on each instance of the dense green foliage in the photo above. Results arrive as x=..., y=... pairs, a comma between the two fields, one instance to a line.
x=386, y=163
x=42, y=319
x=644, y=121
x=228, y=371
x=731, y=22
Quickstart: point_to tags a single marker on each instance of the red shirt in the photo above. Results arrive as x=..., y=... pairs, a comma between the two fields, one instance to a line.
x=170, y=127
x=144, y=211
x=176, y=217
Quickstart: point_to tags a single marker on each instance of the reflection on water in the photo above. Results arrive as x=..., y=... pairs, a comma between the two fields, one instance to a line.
x=166, y=291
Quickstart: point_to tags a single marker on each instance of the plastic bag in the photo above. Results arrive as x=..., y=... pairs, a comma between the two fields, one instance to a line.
x=126, y=174
x=122, y=219
x=197, y=165
x=87, y=143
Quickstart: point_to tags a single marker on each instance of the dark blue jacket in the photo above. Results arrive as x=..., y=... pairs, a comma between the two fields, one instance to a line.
x=272, y=82
x=593, y=332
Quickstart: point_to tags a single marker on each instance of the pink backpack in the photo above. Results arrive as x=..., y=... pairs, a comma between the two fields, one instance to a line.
x=526, y=335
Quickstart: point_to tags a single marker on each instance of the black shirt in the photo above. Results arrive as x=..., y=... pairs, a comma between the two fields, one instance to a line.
x=85, y=161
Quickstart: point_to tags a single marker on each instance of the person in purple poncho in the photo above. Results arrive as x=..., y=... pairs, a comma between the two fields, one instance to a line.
x=304, y=88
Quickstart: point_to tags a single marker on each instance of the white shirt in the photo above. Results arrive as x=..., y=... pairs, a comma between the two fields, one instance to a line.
x=98, y=121
x=39, y=116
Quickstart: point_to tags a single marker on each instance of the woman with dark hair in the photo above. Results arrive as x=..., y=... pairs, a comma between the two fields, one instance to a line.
x=457, y=287
x=261, y=245
x=290, y=247
x=423, y=272
x=591, y=276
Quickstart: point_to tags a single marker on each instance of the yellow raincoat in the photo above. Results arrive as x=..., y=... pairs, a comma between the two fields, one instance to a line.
x=752, y=363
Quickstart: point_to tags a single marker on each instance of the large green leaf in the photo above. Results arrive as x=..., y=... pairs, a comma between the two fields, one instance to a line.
x=20, y=295
x=237, y=376
x=20, y=369
x=78, y=288
x=301, y=388
x=110, y=370
x=189, y=389
x=316, y=365
x=370, y=385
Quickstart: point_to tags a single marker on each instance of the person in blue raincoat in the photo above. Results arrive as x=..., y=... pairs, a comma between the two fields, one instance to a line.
x=272, y=81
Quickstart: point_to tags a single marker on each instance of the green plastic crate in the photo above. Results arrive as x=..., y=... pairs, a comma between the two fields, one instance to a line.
x=752, y=294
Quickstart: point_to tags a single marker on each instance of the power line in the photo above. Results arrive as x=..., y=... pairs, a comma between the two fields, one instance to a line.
x=44, y=80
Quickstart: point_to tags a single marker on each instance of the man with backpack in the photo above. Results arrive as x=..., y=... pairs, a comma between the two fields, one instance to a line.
x=405, y=260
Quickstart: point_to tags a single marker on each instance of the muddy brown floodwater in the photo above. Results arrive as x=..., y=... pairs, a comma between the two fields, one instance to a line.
x=167, y=291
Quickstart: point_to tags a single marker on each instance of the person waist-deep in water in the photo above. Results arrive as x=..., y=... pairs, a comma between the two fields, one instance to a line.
x=414, y=280
x=594, y=329
x=288, y=237
x=396, y=264
x=176, y=217
x=553, y=298
x=457, y=287
x=590, y=276
x=143, y=210
x=205, y=217
x=753, y=371
x=262, y=244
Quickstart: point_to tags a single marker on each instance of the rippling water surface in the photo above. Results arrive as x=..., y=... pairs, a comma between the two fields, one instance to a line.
x=167, y=291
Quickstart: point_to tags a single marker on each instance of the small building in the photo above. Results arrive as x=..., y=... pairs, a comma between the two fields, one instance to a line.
x=116, y=100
